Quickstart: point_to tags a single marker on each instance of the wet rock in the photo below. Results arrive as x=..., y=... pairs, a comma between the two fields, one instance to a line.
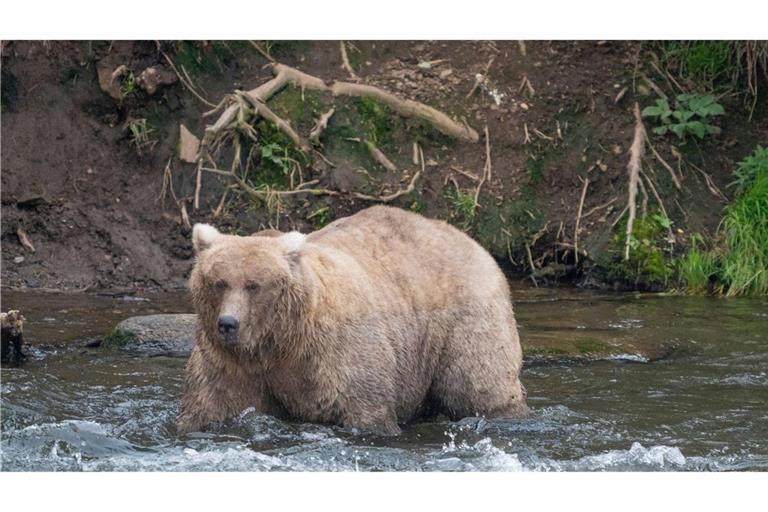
x=154, y=77
x=155, y=335
x=584, y=350
x=107, y=80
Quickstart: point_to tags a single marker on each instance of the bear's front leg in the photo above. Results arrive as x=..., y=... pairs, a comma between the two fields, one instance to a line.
x=215, y=391
x=368, y=416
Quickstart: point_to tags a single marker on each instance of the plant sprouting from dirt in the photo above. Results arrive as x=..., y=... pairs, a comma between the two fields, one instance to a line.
x=463, y=207
x=129, y=87
x=140, y=134
x=692, y=114
x=320, y=217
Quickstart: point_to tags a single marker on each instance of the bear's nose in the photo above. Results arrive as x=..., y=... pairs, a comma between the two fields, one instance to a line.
x=228, y=325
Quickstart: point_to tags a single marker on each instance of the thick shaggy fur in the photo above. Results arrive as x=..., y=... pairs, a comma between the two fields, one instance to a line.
x=372, y=321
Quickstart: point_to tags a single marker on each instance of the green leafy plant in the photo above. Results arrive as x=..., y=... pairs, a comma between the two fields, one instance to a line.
x=692, y=115
x=277, y=155
x=128, y=86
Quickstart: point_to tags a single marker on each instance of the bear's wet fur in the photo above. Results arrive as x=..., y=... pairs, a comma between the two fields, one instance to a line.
x=365, y=324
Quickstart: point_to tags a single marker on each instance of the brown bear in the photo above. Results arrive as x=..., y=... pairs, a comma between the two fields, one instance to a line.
x=369, y=323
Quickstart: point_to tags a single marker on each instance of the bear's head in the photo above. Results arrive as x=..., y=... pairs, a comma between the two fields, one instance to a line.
x=245, y=287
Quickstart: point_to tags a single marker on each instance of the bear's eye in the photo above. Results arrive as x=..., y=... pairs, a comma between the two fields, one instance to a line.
x=220, y=284
x=252, y=286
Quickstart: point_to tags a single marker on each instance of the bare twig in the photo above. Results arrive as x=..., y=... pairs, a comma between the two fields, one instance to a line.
x=578, y=221
x=481, y=77
x=663, y=162
x=24, y=239
x=183, y=80
x=345, y=62
x=391, y=197
x=486, y=169
x=376, y=153
x=635, y=158
x=469, y=175
x=262, y=51
x=653, y=86
x=320, y=126
x=598, y=208
x=198, y=184
x=185, y=215
x=658, y=199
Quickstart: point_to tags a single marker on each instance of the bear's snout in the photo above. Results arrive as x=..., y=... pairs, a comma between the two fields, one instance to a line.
x=228, y=326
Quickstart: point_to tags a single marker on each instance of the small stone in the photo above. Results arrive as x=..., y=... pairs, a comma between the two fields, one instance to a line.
x=18, y=259
x=524, y=106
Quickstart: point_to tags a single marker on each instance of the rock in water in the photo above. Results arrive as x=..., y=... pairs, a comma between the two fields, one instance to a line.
x=154, y=335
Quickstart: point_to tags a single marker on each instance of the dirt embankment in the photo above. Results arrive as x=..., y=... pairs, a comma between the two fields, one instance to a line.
x=86, y=139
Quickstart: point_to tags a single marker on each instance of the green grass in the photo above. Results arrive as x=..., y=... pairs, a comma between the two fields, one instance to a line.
x=742, y=266
x=706, y=63
x=698, y=268
x=745, y=265
x=462, y=203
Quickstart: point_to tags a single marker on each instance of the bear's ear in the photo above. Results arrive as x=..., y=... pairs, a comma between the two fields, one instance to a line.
x=203, y=236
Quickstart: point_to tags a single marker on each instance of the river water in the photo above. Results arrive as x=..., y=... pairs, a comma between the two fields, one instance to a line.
x=71, y=408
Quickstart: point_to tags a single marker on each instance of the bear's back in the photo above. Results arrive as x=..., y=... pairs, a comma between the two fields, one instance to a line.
x=411, y=249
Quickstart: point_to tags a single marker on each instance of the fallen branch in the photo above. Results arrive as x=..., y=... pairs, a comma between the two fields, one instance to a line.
x=636, y=152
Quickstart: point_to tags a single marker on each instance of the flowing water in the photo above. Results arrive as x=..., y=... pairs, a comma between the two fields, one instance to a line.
x=72, y=408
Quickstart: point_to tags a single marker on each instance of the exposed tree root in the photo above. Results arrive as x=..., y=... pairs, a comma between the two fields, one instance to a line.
x=320, y=126
x=238, y=112
x=636, y=152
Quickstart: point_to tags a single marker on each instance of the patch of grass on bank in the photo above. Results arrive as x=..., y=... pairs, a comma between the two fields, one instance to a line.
x=698, y=269
x=741, y=266
x=745, y=264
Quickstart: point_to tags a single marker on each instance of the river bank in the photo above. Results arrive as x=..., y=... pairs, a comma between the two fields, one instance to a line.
x=97, y=194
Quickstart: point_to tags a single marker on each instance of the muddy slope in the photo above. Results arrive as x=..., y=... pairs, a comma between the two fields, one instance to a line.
x=90, y=200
